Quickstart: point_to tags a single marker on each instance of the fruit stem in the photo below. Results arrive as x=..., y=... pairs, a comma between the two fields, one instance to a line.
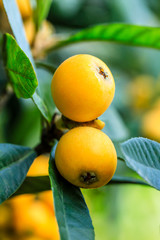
x=63, y=123
x=48, y=137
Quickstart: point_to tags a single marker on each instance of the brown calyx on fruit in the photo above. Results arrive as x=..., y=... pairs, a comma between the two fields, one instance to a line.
x=103, y=73
x=88, y=178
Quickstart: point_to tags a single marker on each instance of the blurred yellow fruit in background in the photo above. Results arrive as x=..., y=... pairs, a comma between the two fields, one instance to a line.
x=35, y=213
x=26, y=12
x=141, y=91
x=32, y=238
x=5, y=236
x=5, y=215
x=151, y=122
x=33, y=216
x=24, y=7
x=22, y=200
x=39, y=167
x=30, y=29
x=47, y=197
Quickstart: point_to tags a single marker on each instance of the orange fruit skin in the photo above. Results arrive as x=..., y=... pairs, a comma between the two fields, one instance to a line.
x=39, y=166
x=79, y=90
x=86, y=149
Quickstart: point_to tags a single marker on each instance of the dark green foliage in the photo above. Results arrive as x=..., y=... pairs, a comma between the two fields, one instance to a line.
x=143, y=156
x=19, y=68
x=14, y=164
x=117, y=33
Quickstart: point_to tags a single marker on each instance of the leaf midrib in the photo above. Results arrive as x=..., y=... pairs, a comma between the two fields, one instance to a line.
x=20, y=74
x=65, y=215
x=77, y=37
x=141, y=164
x=19, y=160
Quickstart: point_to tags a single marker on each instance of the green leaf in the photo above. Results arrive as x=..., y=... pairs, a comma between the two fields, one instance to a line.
x=41, y=106
x=45, y=78
x=34, y=185
x=50, y=68
x=126, y=180
x=114, y=125
x=23, y=124
x=41, y=11
x=21, y=74
x=16, y=24
x=3, y=77
x=42, y=183
x=19, y=68
x=143, y=156
x=119, y=33
x=14, y=164
x=71, y=210
x=118, y=150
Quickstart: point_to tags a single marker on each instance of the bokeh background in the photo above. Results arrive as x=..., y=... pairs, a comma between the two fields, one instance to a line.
x=118, y=211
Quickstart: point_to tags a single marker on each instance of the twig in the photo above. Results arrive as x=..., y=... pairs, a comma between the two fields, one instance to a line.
x=49, y=135
x=5, y=97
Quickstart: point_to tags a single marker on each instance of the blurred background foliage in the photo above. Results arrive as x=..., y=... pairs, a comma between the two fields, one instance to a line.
x=118, y=212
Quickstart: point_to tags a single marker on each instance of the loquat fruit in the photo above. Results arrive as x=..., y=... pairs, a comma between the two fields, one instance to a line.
x=86, y=157
x=82, y=88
